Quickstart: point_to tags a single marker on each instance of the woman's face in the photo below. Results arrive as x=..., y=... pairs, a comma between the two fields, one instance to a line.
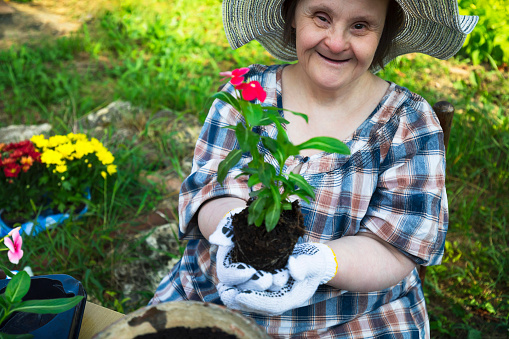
x=336, y=40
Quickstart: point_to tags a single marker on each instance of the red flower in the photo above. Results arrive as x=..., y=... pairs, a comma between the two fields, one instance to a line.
x=237, y=75
x=252, y=90
x=16, y=154
x=12, y=170
x=8, y=161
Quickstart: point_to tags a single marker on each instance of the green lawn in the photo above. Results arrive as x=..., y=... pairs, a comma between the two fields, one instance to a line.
x=161, y=55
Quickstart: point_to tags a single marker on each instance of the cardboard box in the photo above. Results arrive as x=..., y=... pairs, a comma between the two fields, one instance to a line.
x=95, y=319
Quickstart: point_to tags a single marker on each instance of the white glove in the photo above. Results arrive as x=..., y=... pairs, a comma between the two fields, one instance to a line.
x=310, y=265
x=240, y=274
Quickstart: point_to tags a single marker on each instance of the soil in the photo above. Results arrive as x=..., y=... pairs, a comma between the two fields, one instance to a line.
x=189, y=333
x=264, y=250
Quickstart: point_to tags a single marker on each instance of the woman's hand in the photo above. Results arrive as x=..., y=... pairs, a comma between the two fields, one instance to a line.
x=240, y=274
x=310, y=265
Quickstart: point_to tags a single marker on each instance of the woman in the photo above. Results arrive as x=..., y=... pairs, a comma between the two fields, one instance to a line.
x=378, y=213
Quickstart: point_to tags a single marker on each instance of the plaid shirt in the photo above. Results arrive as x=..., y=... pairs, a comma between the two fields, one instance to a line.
x=392, y=184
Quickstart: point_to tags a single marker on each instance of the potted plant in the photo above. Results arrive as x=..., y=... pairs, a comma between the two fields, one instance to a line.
x=45, y=180
x=271, y=205
x=45, y=306
x=184, y=319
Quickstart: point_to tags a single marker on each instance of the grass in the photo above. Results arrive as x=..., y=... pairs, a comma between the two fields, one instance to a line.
x=163, y=57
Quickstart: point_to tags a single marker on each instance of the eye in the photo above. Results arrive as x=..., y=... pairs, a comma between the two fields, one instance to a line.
x=321, y=19
x=359, y=26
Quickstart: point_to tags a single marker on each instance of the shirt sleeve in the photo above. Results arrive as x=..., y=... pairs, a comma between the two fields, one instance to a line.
x=215, y=142
x=409, y=206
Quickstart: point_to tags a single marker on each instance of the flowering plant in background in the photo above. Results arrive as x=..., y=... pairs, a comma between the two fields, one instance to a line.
x=50, y=175
x=20, y=171
x=74, y=164
x=18, y=286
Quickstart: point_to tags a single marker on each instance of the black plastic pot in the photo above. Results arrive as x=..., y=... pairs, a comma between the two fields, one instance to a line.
x=51, y=326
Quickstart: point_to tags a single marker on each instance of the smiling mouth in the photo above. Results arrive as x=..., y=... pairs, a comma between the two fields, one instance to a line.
x=332, y=60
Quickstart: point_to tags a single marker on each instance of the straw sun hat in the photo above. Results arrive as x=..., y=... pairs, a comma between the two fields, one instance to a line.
x=432, y=27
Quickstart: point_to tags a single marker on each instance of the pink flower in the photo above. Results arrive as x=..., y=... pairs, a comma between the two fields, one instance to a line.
x=15, y=252
x=252, y=90
x=237, y=75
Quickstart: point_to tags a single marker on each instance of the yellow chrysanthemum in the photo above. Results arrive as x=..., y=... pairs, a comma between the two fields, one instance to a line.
x=61, y=169
x=51, y=157
x=111, y=169
x=57, y=140
x=83, y=148
x=80, y=137
x=39, y=141
x=105, y=157
x=66, y=150
x=103, y=174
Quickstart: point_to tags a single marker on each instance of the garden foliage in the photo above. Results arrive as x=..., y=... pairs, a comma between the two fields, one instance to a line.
x=489, y=42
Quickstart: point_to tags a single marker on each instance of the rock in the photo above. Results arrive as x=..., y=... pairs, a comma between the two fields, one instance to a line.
x=122, y=115
x=16, y=133
x=112, y=114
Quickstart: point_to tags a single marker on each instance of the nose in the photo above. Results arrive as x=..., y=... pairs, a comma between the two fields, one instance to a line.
x=337, y=40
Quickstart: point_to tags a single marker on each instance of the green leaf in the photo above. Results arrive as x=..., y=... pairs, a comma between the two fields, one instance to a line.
x=327, y=144
x=249, y=169
x=272, y=216
x=302, y=183
x=273, y=147
x=266, y=173
x=256, y=209
x=302, y=115
x=271, y=119
x=4, y=303
x=228, y=98
x=253, y=180
x=52, y=306
x=6, y=271
x=263, y=192
x=253, y=114
x=270, y=144
x=67, y=185
x=242, y=137
x=303, y=195
x=18, y=287
x=231, y=160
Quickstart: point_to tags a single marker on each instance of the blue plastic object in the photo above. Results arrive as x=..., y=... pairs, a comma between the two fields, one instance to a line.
x=49, y=326
x=46, y=220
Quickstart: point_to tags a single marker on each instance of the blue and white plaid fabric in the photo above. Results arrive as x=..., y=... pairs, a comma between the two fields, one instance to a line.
x=392, y=185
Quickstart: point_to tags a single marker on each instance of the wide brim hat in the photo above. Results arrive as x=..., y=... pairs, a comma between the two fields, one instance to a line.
x=432, y=27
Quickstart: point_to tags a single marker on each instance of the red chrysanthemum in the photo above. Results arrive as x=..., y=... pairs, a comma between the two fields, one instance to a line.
x=12, y=170
x=8, y=161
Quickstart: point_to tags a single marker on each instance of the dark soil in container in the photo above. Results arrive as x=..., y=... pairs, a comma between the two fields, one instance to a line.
x=189, y=333
x=264, y=250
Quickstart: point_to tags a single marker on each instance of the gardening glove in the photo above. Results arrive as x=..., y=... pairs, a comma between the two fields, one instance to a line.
x=310, y=265
x=240, y=274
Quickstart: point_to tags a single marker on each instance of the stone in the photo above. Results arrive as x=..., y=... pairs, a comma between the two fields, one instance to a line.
x=17, y=133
